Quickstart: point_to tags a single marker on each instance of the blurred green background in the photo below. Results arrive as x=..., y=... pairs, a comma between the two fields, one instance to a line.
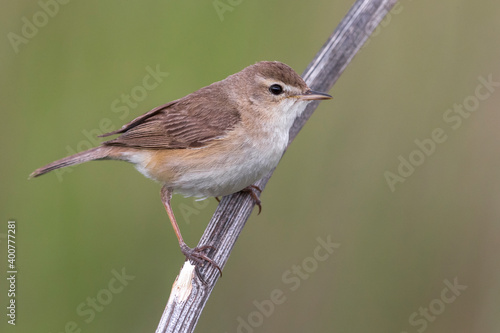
x=399, y=251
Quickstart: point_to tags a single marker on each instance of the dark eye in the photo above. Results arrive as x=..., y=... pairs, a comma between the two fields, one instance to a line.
x=276, y=89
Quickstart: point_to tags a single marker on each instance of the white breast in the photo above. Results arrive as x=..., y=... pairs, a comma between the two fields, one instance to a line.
x=248, y=161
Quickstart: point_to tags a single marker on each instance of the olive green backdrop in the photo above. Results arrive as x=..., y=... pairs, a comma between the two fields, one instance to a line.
x=418, y=253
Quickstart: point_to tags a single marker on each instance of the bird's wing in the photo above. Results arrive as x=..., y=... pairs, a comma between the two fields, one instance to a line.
x=189, y=122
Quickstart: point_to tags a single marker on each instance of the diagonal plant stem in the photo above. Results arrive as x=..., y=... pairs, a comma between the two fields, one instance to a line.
x=181, y=314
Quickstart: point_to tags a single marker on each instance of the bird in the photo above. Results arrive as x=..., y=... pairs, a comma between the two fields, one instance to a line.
x=216, y=141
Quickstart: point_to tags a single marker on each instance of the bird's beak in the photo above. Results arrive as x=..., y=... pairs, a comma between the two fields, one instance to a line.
x=311, y=95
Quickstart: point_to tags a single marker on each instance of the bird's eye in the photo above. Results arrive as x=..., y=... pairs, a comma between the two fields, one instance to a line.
x=276, y=89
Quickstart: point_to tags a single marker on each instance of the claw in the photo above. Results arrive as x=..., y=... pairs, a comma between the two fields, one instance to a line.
x=251, y=190
x=198, y=258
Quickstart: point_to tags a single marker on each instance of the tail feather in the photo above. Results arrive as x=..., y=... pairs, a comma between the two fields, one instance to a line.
x=97, y=153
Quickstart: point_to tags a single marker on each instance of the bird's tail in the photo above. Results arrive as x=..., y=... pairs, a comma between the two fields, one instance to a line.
x=97, y=153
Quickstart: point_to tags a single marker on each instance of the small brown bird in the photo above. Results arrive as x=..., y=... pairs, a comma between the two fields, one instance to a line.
x=213, y=142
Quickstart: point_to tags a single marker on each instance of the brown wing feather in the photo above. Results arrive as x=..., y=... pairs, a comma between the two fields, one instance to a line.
x=185, y=123
x=139, y=119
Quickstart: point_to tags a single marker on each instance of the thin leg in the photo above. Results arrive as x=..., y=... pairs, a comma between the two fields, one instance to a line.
x=166, y=196
x=195, y=255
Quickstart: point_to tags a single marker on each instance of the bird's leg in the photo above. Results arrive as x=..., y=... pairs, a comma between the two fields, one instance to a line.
x=252, y=189
x=195, y=255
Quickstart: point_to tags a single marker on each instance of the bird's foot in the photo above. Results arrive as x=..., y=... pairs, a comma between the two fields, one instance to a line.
x=199, y=258
x=253, y=190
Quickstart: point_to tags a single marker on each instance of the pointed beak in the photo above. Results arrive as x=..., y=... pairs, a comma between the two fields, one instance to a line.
x=311, y=95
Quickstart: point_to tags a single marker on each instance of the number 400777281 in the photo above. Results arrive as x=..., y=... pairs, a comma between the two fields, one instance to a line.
x=11, y=244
